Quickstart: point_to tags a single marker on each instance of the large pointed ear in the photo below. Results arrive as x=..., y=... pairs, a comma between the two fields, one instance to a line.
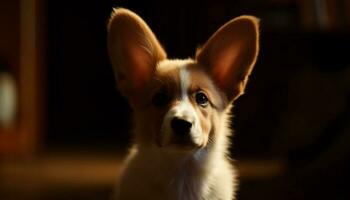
x=133, y=50
x=230, y=54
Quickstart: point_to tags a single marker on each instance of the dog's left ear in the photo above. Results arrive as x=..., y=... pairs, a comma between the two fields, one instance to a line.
x=230, y=54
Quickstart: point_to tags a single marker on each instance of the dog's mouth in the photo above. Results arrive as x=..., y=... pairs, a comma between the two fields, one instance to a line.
x=177, y=142
x=183, y=142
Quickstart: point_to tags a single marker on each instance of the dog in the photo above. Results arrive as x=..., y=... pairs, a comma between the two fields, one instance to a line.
x=181, y=108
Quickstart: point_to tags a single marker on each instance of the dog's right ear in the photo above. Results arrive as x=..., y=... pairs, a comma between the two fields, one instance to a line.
x=133, y=50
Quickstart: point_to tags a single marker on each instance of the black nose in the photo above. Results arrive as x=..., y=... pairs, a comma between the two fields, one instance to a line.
x=181, y=126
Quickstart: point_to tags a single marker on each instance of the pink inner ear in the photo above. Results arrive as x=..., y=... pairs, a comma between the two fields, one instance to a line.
x=141, y=67
x=224, y=69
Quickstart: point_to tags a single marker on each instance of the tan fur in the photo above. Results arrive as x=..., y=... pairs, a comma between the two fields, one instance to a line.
x=161, y=164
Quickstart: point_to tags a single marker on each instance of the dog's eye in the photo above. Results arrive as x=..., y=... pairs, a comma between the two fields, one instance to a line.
x=160, y=99
x=201, y=99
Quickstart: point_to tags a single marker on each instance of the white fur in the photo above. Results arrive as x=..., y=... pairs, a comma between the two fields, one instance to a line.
x=185, y=81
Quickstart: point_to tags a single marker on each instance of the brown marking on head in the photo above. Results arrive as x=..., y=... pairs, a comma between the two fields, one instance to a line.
x=167, y=83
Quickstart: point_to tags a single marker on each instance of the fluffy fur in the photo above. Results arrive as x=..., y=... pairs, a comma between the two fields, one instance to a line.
x=181, y=108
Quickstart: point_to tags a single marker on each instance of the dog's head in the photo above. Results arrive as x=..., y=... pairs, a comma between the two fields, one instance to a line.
x=180, y=104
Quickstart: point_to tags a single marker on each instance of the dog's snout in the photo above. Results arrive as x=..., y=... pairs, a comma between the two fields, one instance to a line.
x=181, y=126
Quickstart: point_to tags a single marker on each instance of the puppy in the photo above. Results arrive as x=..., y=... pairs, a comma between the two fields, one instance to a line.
x=181, y=108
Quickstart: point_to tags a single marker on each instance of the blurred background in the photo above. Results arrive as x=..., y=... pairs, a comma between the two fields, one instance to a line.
x=64, y=127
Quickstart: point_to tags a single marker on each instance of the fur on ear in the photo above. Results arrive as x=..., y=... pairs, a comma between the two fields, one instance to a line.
x=230, y=54
x=133, y=49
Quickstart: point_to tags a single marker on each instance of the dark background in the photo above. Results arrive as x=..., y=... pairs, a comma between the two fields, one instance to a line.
x=296, y=107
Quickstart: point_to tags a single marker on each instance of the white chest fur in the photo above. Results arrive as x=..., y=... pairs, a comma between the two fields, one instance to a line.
x=157, y=175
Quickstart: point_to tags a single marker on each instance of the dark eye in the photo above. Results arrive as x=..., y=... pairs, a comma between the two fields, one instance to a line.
x=201, y=99
x=160, y=99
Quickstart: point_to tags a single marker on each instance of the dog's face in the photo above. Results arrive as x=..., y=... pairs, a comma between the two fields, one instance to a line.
x=180, y=104
x=184, y=105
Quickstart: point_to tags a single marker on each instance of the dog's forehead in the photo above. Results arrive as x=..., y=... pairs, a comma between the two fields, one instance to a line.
x=172, y=66
x=184, y=73
x=184, y=77
x=174, y=73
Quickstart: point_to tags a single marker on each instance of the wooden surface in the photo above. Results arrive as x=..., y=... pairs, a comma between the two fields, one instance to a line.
x=72, y=175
